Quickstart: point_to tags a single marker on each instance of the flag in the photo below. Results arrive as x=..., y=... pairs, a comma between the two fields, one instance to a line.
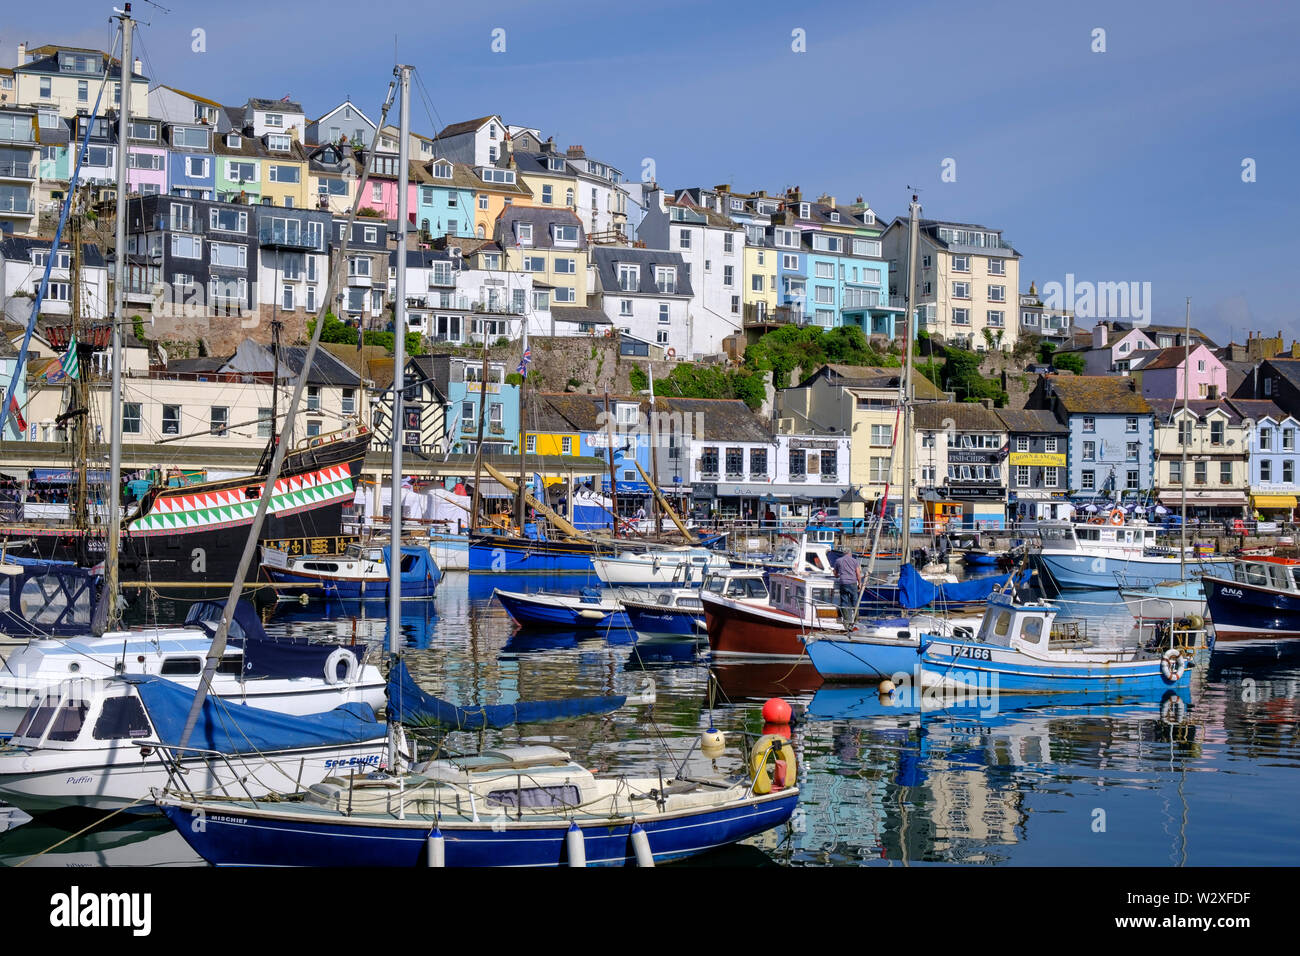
x=17, y=414
x=71, y=367
x=522, y=369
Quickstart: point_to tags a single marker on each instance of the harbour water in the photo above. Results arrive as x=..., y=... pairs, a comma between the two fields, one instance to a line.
x=1206, y=780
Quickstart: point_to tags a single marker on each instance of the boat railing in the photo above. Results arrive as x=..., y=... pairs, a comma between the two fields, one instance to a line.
x=170, y=757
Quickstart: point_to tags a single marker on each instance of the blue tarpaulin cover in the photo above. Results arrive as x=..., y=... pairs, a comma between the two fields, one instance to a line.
x=237, y=728
x=264, y=656
x=915, y=592
x=409, y=704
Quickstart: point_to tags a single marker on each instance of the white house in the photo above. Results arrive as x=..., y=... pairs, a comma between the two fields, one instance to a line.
x=646, y=293
x=476, y=142
x=22, y=264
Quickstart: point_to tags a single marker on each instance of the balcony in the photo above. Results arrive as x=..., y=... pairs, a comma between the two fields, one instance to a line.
x=15, y=206
x=277, y=235
x=23, y=171
x=781, y=315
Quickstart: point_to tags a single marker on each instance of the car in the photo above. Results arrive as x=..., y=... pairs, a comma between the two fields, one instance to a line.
x=1039, y=368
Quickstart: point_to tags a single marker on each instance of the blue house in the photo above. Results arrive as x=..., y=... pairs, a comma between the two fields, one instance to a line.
x=445, y=198
x=1110, y=448
x=1274, y=483
x=191, y=164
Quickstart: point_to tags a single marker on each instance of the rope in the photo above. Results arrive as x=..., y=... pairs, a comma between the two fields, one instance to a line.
x=85, y=829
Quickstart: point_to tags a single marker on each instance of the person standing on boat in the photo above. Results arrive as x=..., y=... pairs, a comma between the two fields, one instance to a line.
x=848, y=577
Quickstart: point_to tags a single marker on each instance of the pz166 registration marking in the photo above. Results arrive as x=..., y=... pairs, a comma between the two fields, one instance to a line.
x=973, y=653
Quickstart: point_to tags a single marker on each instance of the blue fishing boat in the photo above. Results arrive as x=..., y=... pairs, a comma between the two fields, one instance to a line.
x=513, y=806
x=878, y=649
x=1019, y=648
x=1090, y=556
x=678, y=614
x=1259, y=601
x=586, y=611
x=360, y=572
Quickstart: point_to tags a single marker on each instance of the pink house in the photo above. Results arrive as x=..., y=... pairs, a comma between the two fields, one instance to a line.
x=1161, y=373
x=146, y=170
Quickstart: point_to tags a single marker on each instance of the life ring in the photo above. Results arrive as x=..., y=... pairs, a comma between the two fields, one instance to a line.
x=1117, y=517
x=672, y=353
x=1173, y=708
x=341, y=656
x=1172, y=665
x=782, y=755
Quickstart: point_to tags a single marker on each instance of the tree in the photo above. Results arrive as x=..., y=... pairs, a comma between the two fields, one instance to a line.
x=1068, y=362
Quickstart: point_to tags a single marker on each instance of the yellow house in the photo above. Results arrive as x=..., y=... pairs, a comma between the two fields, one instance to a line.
x=285, y=180
x=551, y=245
x=67, y=79
x=760, y=296
x=861, y=402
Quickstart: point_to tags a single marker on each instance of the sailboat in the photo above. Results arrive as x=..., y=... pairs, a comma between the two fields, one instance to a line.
x=530, y=805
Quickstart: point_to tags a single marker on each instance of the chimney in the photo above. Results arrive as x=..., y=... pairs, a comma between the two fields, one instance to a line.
x=22, y=54
x=575, y=152
x=724, y=188
x=1099, y=336
x=137, y=66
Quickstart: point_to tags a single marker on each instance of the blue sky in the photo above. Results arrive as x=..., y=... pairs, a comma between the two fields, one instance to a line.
x=1117, y=166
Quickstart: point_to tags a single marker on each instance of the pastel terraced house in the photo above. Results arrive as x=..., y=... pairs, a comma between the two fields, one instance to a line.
x=1164, y=373
x=1274, y=481
x=146, y=158
x=551, y=245
x=68, y=80
x=333, y=174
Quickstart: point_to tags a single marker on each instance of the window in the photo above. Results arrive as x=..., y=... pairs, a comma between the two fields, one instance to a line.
x=1225, y=472
x=1088, y=480
x=1216, y=432
x=1266, y=470
x=961, y=263
x=925, y=262
x=564, y=294
x=1288, y=471
x=961, y=290
x=684, y=238
x=1022, y=476
x=1131, y=424
x=277, y=142
x=131, y=418
x=995, y=318
x=1090, y=451
x=1288, y=439
x=187, y=247
x=45, y=88
x=1022, y=443
x=664, y=314
x=566, y=266
x=359, y=266
x=666, y=279
x=263, y=423
x=171, y=420
x=789, y=261
x=825, y=270
x=121, y=718
x=997, y=293
x=219, y=418
x=228, y=220
x=482, y=200
x=961, y=316
x=1089, y=423
x=1265, y=439
x=824, y=294
x=1049, y=445
x=758, y=462
x=547, y=195
x=524, y=232
x=275, y=119
x=997, y=267
x=1200, y=470
x=728, y=275
x=1131, y=451
x=286, y=302
x=756, y=282
x=879, y=471
x=196, y=167
x=285, y=174
x=882, y=436
x=230, y=254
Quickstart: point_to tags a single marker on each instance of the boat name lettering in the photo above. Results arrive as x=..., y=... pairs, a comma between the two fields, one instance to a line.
x=353, y=761
x=974, y=653
x=83, y=778
x=1232, y=592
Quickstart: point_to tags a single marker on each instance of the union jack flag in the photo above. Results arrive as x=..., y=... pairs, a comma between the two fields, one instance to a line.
x=523, y=363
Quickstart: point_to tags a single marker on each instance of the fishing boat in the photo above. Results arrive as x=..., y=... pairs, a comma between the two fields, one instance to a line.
x=360, y=572
x=1258, y=600
x=662, y=566
x=1165, y=599
x=880, y=648
x=678, y=613
x=586, y=611
x=1021, y=648
x=291, y=676
x=800, y=605
x=1085, y=556
x=92, y=745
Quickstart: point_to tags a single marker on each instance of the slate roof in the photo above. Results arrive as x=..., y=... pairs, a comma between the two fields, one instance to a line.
x=20, y=248
x=536, y=164
x=1257, y=409
x=462, y=177
x=576, y=313
x=542, y=219
x=1080, y=394
x=1164, y=408
x=1163, y=358
x=608, y=259
x=1029, y=420
x=468, y=126
x=866, y=376
x=50, y=63
x=275, y=106
x=963, y=416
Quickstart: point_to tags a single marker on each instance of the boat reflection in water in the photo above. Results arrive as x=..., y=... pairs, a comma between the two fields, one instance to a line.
x=142, y=842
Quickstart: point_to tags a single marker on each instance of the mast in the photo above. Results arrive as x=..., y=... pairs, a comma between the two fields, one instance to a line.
x=477, y=501
x=906, y=396
x=521, y=512
x=613, y=485
x=80, y=392
x=1187, y=369
x=653, y=433
x=276, y=325
x=399, y=363
x=113, y=538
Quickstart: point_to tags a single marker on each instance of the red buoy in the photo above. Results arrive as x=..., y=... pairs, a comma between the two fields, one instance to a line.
x=776, y=711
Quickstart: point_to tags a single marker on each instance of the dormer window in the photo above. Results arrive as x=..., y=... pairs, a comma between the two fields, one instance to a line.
x=804, y=211
x=835, y=216
x=524, y=233
x=278, y=142
x=556, y=164
x=233, y=140
x=442, y=170
x=565, y=233
x=490, y=175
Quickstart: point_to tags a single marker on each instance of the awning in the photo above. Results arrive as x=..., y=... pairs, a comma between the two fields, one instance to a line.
x=64, y=476
x=1204, y=499
x=1287, y=502
x=816, y=490
x=628, y=487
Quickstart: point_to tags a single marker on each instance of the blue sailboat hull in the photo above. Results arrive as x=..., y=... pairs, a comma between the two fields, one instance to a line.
x=1243, y=612
x=667, y=621
x=539, y=613
x=235, y=839
x=529, y=556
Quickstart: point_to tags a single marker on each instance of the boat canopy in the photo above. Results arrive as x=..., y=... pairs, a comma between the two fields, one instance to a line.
x=915, y=591
x=238, y=728
x=283, y=657
x=408, y=704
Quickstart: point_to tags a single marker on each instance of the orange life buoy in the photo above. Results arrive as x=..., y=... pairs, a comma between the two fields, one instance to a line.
x=672, y=353
x=1117, y=517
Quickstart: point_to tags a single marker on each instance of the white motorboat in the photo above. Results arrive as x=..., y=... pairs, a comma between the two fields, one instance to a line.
x=664, y=567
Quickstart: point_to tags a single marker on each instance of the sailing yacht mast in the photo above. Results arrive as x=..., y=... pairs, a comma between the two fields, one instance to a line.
x=112, y=579
x=906, y=396
x=1187, y=368
x=399, y=361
